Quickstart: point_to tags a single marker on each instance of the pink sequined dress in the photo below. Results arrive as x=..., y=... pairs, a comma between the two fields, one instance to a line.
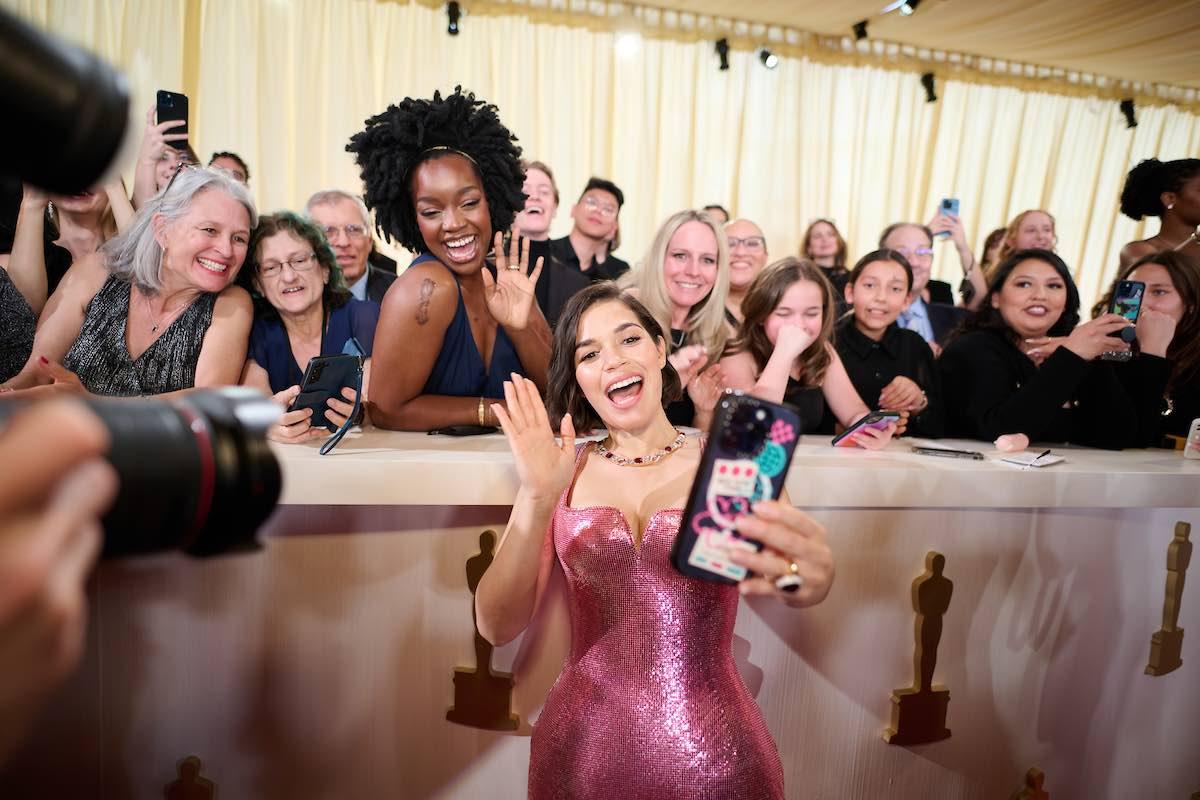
x=649, y=703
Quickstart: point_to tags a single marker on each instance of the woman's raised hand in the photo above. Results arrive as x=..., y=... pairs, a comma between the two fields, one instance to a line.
x=1094, y=337
x=543, y=465
x=156, y=137
x=510, y=296
x=688, y=362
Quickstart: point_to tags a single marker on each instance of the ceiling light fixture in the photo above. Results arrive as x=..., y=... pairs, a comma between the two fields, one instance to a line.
x=769, y=59
x=860, y=30
x=1127, y=108
x=453, y=14
x=722, y=47
x=927, y=82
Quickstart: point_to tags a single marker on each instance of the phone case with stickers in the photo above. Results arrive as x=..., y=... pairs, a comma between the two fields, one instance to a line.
x=746, y=460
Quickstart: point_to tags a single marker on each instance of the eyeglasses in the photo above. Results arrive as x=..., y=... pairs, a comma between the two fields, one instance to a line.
x=749, y=242
x=185, y=164
x=605, y=209
x=924, y=252
x=269, y=269
x=351, y=231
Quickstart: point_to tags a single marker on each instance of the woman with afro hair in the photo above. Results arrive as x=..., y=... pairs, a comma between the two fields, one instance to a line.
x=443, y=177
x=1169, y=190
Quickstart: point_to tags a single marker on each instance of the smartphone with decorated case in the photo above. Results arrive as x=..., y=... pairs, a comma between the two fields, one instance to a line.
x=878, y=420
x=746, y=460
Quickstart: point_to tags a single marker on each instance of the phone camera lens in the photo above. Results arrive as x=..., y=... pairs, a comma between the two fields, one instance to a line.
x=747, y=431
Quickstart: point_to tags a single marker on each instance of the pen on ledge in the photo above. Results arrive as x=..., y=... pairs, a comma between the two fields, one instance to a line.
x=1039, y=457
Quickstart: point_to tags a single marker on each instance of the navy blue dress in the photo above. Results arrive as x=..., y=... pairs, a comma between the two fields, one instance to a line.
x=459, y=370
x=272, y=350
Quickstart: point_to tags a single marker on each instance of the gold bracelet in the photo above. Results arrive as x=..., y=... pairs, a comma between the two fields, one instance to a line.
x=482, y=413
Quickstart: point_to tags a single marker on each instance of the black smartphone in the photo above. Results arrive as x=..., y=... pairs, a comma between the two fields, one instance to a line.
x=947, y=452
x=324, y=378
x=464, y=430
x=874, y=419
x=746, y=460
x=172, y=106
x=1126, y=301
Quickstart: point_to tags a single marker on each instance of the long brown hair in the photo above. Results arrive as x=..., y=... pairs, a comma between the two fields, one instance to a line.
x=839, y=258
x=1009, y=245
x=1184, y=349
x=764, y=295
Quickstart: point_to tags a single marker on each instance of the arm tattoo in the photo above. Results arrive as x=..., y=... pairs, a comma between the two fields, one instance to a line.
x=427, y=287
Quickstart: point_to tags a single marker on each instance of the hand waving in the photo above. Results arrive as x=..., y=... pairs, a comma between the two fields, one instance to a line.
x=543, y=465
x=510, y=296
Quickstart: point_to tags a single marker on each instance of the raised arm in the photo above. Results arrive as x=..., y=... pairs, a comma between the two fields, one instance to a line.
x=509, y=593
x=27, y=262
x=511, y=301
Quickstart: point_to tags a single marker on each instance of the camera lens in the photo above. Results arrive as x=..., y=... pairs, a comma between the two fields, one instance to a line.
x=196, y=473
x=747, y=429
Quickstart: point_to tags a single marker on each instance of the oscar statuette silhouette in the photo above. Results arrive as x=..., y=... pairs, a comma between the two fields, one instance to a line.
x=919, y=711
x=1166, y=644
x=482, y=698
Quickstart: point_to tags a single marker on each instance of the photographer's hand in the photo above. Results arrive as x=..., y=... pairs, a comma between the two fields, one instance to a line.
x=49, y=538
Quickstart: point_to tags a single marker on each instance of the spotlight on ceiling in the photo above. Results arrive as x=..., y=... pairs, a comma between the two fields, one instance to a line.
x=769, y=59
x=723, y=53
x=1128, y=110
x=860, y=30
x=927, y=82
x=905, y=7
x=453, y=14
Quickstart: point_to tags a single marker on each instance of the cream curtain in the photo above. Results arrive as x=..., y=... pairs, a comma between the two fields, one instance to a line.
x=286, y=82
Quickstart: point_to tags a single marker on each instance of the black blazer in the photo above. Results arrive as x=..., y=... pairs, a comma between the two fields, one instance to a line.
x=378, y=282
x=944, y=319
x=991, y=388
x=557, y=283
x=940, y=292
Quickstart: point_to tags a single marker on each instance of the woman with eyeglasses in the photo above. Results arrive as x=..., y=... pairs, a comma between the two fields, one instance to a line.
x=444, y=179
x=155, y=309
x=302, y=310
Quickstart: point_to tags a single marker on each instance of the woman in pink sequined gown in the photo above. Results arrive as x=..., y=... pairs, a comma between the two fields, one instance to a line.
x=649, y=703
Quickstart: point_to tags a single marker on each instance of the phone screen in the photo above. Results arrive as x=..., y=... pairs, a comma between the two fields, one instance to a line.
x=1127, y=299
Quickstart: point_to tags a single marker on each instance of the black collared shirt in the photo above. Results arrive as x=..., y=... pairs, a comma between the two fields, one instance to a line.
x=609, y=270
x=873, y=365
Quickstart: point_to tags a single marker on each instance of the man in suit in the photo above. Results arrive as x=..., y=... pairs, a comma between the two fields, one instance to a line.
x=344, y=219
x=931, y=312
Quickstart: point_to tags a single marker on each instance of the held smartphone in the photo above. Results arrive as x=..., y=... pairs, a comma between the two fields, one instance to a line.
x=749, y=451
x=1126, y=301
x=949, y=207
x=325, y=378
x=171, y=106
x=874, y=419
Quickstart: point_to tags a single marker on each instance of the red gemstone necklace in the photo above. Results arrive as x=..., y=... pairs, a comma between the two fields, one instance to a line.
x=641, y=461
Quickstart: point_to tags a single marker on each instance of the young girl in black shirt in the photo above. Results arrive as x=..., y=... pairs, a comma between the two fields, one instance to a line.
x=889, y=366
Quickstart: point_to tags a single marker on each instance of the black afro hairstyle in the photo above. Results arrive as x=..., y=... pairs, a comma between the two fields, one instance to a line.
x=395, y=142
x=1145, y=183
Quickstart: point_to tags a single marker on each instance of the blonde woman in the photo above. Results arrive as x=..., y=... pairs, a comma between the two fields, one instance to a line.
x=683, y=282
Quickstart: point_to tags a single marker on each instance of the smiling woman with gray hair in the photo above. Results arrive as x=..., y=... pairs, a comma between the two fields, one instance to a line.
x=155, y=310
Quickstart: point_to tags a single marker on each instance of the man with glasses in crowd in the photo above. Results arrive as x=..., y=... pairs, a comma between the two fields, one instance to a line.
x=931, y=311
x=587, y=247
x=344, y=220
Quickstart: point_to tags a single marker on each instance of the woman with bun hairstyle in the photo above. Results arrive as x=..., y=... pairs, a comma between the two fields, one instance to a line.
x=1169, y=190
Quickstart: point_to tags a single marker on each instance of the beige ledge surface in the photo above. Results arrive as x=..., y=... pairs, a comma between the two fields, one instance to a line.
x=392, y=468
